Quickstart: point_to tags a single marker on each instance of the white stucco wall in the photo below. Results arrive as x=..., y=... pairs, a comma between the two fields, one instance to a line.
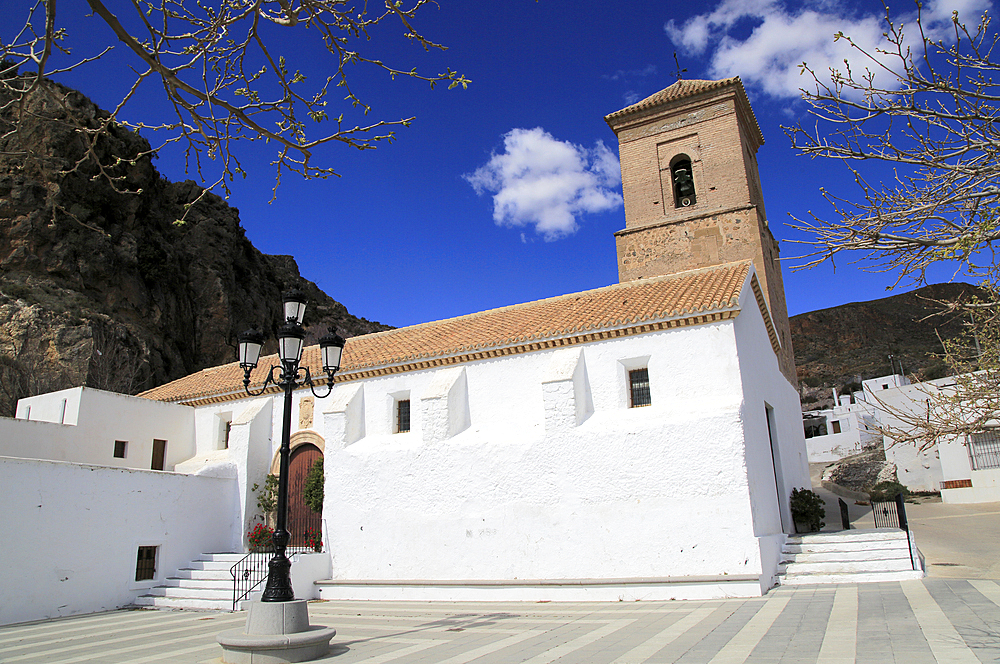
x=920, y=470
x=92, y=421
x=78, y=527
x=772, y=471
x=555, y=477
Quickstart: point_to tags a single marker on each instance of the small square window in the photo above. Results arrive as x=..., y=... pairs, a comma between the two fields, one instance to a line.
x=836, y=427
x=120, y=447
x=402, y=416
x=145, y=563
x=638, y=387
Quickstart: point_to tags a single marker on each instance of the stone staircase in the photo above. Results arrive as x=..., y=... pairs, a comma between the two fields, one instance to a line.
x=849, y=556
x=206, y=584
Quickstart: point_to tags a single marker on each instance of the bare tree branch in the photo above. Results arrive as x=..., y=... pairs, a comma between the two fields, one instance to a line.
x=221, y=78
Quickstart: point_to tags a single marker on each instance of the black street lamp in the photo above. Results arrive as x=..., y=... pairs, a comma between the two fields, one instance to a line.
x=290, y=342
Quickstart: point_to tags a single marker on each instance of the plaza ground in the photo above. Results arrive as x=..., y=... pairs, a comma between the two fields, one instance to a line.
x=911, y=622
x=951, y=616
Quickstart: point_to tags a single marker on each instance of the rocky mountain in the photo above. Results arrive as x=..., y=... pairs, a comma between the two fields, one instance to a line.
x=100, y=286
x=842, y=345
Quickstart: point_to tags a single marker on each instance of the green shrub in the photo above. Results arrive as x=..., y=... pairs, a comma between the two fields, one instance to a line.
x=267, y=499
x=885, y=491
x=312, y=491
x=808, y=510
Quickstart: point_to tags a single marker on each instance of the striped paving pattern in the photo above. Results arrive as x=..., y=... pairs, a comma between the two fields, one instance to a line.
x=911, y=622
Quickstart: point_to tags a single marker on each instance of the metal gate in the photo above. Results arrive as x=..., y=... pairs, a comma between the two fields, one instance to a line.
x=300, y=517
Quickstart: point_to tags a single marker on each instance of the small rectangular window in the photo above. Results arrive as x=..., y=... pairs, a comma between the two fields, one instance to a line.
x=984, y=450
x=159, y=454
x=402, y=416
x=638, y=385
x=836, y=427
x=145, y=563
x=120, y=447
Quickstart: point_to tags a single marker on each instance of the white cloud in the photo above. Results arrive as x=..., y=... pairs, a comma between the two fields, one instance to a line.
x=541, y=181
x=783, y=38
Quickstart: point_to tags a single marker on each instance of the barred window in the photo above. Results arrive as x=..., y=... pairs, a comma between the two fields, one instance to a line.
x=638, y=387
x=145, y=563
x=984, y=449
x=402, y=416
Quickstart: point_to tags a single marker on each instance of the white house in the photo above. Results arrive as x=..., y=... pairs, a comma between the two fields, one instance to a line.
x=965, y=468
x=635, y=441
x=850, y=427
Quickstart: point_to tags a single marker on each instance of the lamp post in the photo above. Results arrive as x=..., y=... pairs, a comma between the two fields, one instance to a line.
x=289, y=376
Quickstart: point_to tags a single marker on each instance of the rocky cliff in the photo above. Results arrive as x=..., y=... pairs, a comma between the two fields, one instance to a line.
x=100, y=286
x=839, y=346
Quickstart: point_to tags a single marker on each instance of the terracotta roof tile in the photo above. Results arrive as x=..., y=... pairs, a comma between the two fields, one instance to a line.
x=687, y=295
x=679, y=90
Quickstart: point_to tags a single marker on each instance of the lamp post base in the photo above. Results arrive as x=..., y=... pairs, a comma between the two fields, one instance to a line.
x=276, y=633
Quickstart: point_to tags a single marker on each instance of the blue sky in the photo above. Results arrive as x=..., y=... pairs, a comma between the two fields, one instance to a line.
x=430, y=226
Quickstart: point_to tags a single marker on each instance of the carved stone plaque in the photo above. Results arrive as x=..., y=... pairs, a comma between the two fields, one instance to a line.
x=306, y=413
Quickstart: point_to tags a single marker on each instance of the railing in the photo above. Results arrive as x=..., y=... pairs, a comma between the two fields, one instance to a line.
x=845, y=516
x=251, y=571
x=248, y=573
x=892, y=514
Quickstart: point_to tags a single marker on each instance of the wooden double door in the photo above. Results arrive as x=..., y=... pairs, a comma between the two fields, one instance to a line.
x=300, y=518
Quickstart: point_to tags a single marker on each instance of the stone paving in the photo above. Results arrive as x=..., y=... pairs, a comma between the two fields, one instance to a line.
x=911, y=622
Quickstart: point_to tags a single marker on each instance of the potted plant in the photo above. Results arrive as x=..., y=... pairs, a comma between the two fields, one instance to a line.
x=808, y=511
x=259, y=538
x=314, y=539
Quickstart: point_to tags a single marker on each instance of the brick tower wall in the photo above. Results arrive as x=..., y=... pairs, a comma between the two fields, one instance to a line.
x=717, y=131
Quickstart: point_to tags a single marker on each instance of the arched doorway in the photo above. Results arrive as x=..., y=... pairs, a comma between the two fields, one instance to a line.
x=306, y=447
x=300, y=517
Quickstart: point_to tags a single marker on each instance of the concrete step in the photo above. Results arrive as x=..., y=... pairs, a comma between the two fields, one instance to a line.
x=191, y=593
x=860, y=535
x=868, y=554
x=869, y=577
x=216, y=574
x=205, y=584
x=159, y=602
x=231, y=558
x=847, y=567
x=853, y=556
x=211, y=565
x=842, y=546
x=197, y=583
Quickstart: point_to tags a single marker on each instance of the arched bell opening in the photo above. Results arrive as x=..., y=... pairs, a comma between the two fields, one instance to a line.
x=682, y=177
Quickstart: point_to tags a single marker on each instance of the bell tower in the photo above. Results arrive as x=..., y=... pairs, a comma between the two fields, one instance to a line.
x=692, y=191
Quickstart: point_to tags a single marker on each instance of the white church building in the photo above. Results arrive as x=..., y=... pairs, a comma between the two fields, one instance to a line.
x=637, y=441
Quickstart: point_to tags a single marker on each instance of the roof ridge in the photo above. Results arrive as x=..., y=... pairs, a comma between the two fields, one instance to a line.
x=552, y=298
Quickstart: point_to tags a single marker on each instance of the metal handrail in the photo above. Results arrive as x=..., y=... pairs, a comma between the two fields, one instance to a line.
x=248, y=573
x=251, y=571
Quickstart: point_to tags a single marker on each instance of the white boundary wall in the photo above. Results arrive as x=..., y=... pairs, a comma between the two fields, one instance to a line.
x=74, y=532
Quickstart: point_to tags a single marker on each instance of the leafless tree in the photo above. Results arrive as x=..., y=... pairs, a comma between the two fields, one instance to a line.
x=24, y=374
x=223, y=79
x=929, y=109
x=115, y=365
